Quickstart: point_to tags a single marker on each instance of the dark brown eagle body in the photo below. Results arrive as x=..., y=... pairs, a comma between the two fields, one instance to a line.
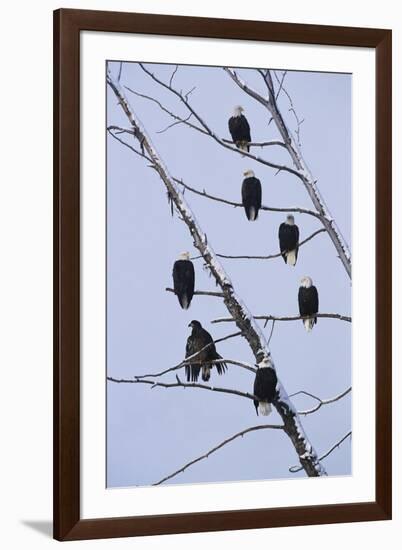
x=201, y=342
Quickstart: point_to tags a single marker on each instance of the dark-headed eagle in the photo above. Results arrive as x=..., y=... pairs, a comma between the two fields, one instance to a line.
x=201, y=343
x=308, y=302
x=239, y=129
x=265, y=387
x=251, y=193
x=289, y=240
x=183, y=279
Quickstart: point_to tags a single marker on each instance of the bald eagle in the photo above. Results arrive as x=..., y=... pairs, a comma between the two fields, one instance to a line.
x=251, y=195
x=289, y=240
x=201, y=341
x=183, y=279
x=308, y=302
x=239, y=129
x=265, y=387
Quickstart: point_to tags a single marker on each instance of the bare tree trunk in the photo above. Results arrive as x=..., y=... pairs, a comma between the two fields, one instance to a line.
x=244, y=320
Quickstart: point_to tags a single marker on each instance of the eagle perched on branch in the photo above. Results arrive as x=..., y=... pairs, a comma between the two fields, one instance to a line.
x=239, y=129
x=201, y=342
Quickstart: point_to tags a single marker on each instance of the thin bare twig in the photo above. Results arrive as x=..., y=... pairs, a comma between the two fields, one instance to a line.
x=280, y=84
x=272, y=331
x=289, y=318
x=321, y=402
x=120, y=71
x=173, y=75
x=292, y=108
x=295, y=469
x=222, y=444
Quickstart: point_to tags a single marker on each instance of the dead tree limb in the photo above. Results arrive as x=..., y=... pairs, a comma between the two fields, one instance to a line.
x=217, y=447
x=244, y=320
x=288, y=318
x=321, y=402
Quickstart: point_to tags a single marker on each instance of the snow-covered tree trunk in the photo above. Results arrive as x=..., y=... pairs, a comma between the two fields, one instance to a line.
x=243, y=318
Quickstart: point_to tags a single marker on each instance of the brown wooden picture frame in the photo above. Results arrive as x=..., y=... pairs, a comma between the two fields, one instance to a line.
x=67, y=26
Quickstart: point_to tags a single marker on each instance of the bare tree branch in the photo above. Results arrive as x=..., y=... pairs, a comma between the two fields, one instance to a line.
x=321, y=402
x=272, y=331
x=302, y=171
x=117, y=129
x=292, y=108
x=203, y=193
x=173, y=75
x=222, y=444
x=180, y=384
x=200, y=292
x=244, y=320
x=212, y=134
x=288, y=318
x=295, y=469
x=270, y=257
x=280, y=84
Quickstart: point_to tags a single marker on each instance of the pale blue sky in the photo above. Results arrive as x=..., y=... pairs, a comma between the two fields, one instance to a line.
x=151, y=433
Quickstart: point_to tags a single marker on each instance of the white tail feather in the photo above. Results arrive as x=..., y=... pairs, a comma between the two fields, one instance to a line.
x=252, y=214
x=184, y=302
x=308, y=324
x=264, y=408
x=291, y=257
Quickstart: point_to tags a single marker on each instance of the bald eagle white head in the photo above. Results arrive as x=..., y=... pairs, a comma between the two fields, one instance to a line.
x=306, y=282
x=238, y=110
x=239, y=129
x=248, y=174
x=184, y=279
x=308, y=302
x=265, y=387
x=290, y=219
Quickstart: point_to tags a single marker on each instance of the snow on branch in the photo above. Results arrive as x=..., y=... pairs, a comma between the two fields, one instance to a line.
x=250, y=329
x=321, y=402
x=222, y=444
x=288, y=318
x=302, y=169
x=295, y=469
